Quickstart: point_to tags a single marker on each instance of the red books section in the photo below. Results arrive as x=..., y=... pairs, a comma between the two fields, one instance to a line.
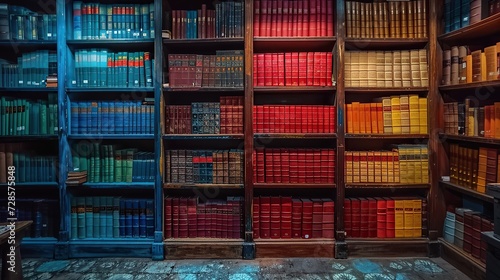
x=384, y=217
x=294, y=119
x=299, y=18
x=294, y=166
x=186, y=217
x=292, y=218
x=293, y=69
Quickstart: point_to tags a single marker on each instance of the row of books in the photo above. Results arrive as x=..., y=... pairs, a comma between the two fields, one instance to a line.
x=407, y=164
x=294, y=119
x=462, y=13
x=460, y=66
x=188, y=217
x=31, y=69
x=404, y=114
x=462, y=119
x=226, y=21
x=405, y=68
x=204, y=166
x=225, y=117
x=385, y=217
x=114, y=117
x=105, y=68
x=474, y=168
x=293, y=69
x=391, y=19
x=43, y=212
x=92, y=21
x=286, y=18
x=30, y=166
x=111, y=163
x=20, y=23
x=111, y=217
x=284, y=217
x=463, y=227
x=224, y=69
x=294, y=166
x=28, y=117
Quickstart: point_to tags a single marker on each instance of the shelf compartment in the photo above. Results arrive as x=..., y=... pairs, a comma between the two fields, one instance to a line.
x=29, y=89
x=110, y=247
x=42, y=247
x=33, y=185
x=473, y=139
x=385, y=90
x=378, y=186
x=295, y=135
x=203, y=248
x=27, y=137
x=384, y=43
x=484, y=28
x=201, y=186
x=468, y=86
x=28, y=43
x=113, y=136
x=462, y=260
x=386, y=136
x=201, y=136
x=293, y=186
x=281, y=89
x=269, y=44
x=105, y=89
x=203, y=42
x=467, y=191
x=295, y=248
x=108, y=42
x=166, y=88
x=389, y=247
x=118, y=185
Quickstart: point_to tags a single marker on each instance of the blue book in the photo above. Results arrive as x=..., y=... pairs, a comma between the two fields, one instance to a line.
x=94, y=117
x=74, y=218
x=103, y=68
x=85, y=21
x=102, y=226
x=135, y=218
x=122, y=218
x=75, y=128
x=110, y=70
x=89, y=217
x=151, y=20
x=116, y=217
x=103, y=117
x=128, y=217
x=96, y=201
x=102, y=21
x=142, y=218
x=37, y=219
x=109, y=217
x=127, y=117
x=148, y=68
x=150, y=218
x=130, y=69
x=80, y=204
x=465, y=11
x=93, y=67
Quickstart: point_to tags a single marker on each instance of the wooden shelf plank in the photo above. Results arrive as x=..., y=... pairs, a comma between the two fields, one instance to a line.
x=202, y=42
x=389, y=247
x=386, y=136
x=473, y=139
x=292, y=186
x=379, y=186
x=469, y=86
x=267, y=44
x=190, y=186
x=462, y=260
x=113, y=136
x=30, y=89
x=482, y=29
x=118, y=185
x=5, y=138
x=384, y=90
x=295, y=248
x=203, y=248
x=101, y=90
x=167, y=88
x=384, y=43
x=202, y=136
x=281, y=89
x=294, y=135
x=467, y=191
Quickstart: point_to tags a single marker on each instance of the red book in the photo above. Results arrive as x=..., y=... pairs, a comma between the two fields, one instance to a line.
x=356, y=217
x=468, y=231
x=279, y=19
x=328, y=218
x=312, y=18
x=175, y=217
x=332, y=118
x=265, y=217
x=192, y=218
x=203, y=22
x=329, y=18
x=317, y=76
x=347, y=217
x=261, y=69
x=476, y=236
x=281, y=69
x=255, y=70
x=285, y=166
x=302, y=68
x=305, y=18
x=324, y=12
x=263, y=19
x=319, y=16
x=300, y=21
x=381, y=218
x=256, y=216
x=274, y=17
x=183, y=218
x=295, y=69
x=310, y=68
x=256, y=18
x=168, y=218
x=317, y=223
x=275, y=69
x=288, y=69
x=286, y=217
x=293, y=27
x=307, y=218
x=372, y=218
x=285, y=22
x=296, y=218
x=268, y=69
x=202, y=221
x=390, y=221
x=364, y=224
x=329, y=69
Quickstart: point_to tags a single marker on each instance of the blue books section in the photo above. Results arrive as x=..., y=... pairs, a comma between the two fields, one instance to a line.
x=43, y=212
x=20, y=23
x=113, y=21
x=111, y=217
x=111, y=163
x=31, y=69
x=28, y=116
x=116, y=117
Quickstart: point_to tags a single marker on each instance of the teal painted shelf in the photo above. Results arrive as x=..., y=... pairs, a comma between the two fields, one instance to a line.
x=113, y=136
x=33, y=184
x=104, y=90
x=118, y=185
x=29, y=89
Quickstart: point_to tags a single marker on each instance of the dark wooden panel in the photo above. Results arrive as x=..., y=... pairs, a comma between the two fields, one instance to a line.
x=463, y=261
x=203, y=250
x=387, y=247
x=295, y=249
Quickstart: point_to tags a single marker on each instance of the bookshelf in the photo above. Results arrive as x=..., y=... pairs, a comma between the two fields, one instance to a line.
x=456, y=87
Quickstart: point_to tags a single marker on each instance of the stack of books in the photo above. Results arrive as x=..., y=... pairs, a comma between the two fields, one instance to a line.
x=76, y=178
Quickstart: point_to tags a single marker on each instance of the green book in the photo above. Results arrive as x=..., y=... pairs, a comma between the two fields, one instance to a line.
x=3, y=116
x=97, y=216
x=27, y=113
x=111, y=162
x=129, y=164
x=118, y=166
x=43, y=118
x=89, y=217
x=116, y=217
x=80, y=205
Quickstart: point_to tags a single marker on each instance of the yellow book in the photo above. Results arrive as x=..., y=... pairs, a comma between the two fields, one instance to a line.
x=490, y=54
x=406, y=69
x=414, y=114
x=363, y=69
x=399, y=218
x=374, y=118
x=396, y=115
x=410, y=164
x=408, y=218
x=355, y=69
x=424, y=69
x=380, y=68
x=371, y=166
x=384, y=157
x=417, y=218
x=403, y=164
x=356, y=110
x=396, y=67
x=348, y=167
x=417, y=177
x=470, y=122
x=469, y=68
x=482, y=167
x=372, y=69
x=387, y=114
x=355, y=167
x=422, y=106
x=396, y=167
x=388, y=66
x=363, y=167
x=424, y=162
x=377, y=158
x=390, y=167
x=349, y=113
x=405, y=114
x=484, y=71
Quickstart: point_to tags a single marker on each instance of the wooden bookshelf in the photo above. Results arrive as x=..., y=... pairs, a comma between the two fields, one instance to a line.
x=485, y=28
x=466, y=191
x=386, y=136
x=203, y=248
x=201, y=186
x=203, y=42
x=471, y=139
x=294, y=248
x=470, y=86
x=168, y=89
x=368, y=90
x=389, y=247
x=294, y=135
x=383, y=186
x=385, y=43
x=202, y=136
x=292, y=186
x=281, y=89
x=270, y=44
x=462, y=260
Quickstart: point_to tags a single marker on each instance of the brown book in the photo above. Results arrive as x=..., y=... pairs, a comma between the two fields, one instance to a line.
x=424, y=71
x=348, y=17
x=369, y=20
x=423, y=19
x=392, y=20
x=356, y=20
x=384, y=7
x=476, y=66
x=362, y=119
x=380, y=69
x=495, y=120
x=373, y=118
x=348, y=69
x=388, y=65
x=454, y=65
x=404, y=18
x=491, y=62
x=416, y=80
x=447, y=67
x=482, y=168
x=410, y=20
x=362, y=20
x=377, y=21
x=397, y=66
x=462, y=64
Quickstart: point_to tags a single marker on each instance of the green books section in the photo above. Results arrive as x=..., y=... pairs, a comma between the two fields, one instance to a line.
x=21, y=23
